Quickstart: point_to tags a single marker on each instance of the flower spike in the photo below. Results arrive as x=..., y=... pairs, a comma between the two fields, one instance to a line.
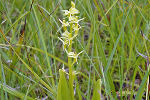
x=71, y=21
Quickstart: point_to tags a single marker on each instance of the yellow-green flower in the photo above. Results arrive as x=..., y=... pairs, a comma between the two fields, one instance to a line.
x=66, y=12
x=66, y=34
x=73, y=55
x=64, y=23
x=73, y=10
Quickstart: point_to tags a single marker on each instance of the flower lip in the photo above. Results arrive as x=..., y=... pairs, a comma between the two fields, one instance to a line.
x=64, y=24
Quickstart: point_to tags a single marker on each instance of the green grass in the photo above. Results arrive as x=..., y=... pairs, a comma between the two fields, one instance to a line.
x=110, y=37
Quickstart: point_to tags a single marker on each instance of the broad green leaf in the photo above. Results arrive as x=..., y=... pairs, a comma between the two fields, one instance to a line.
x=97, y=90
x=62, y=90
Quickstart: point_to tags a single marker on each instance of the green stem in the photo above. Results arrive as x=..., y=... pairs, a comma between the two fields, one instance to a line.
x=70, y=67
x=71, y=83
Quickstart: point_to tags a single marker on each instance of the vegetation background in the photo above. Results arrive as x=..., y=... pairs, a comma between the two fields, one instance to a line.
x=114, y=37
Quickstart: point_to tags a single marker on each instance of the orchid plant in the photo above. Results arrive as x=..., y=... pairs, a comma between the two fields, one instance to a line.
x=70, y=25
